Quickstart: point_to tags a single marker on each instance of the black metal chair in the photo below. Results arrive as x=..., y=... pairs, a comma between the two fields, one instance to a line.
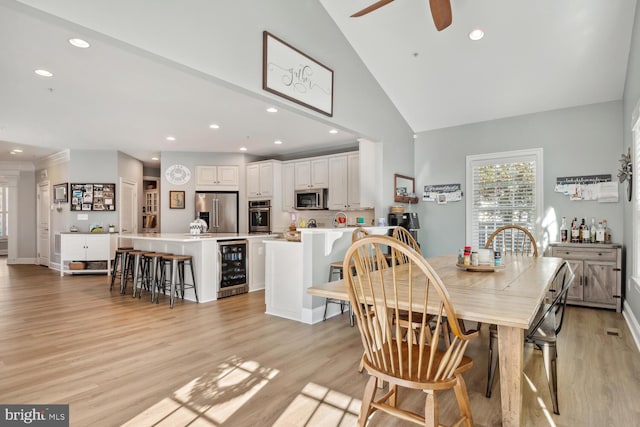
x=543, y=333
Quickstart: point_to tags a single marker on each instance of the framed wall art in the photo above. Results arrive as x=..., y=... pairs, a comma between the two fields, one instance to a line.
x=291, y=74
x=93, y=197
x=176, y=199
x=60, y=193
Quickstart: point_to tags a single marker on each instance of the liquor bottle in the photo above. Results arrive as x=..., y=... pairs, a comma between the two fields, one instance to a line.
x=607, y=231
x=586, y=234
x=600, y=233
x=575, y=232
x=593, y=230
x=581, y=231
x=564, y=233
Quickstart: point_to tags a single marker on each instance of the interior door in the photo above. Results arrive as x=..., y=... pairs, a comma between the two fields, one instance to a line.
x=128, y=206
x=43, y=213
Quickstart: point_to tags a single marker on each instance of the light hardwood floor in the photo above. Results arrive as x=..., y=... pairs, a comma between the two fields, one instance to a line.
x=118, y=360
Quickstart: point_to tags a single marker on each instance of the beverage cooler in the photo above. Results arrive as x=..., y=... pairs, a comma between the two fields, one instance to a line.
x=232, y=268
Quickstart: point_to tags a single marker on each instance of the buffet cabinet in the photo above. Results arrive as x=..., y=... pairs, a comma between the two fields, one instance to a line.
x=86, y=252
x=598, y=270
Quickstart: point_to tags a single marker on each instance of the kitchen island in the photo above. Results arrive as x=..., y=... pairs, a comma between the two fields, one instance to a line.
x=204, y=250
x=292, y=267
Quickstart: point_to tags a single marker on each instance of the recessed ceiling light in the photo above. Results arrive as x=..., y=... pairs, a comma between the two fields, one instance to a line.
x=17, y=150
x=155, y=158
x=476, y=34
x=272, y=110
x=214, y=126
x=44, y=73
x=171, y=138
x=12, y=152
x=243, y=148
x=333, y=131
x=277, y=142
x=83, y=44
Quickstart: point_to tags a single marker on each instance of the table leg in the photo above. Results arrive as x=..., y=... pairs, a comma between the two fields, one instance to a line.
x=510, y=350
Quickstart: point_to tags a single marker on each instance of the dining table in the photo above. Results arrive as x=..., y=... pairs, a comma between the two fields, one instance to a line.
x=508, y=296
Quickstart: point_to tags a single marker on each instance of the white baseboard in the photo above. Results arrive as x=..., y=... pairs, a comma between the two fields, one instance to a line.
x=21, y=261
x=632, y=323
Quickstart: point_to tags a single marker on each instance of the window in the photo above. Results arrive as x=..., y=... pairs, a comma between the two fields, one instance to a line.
x=4, y=212
x=503, y=189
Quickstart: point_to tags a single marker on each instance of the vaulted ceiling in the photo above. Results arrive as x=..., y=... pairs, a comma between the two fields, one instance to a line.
x=536, y=56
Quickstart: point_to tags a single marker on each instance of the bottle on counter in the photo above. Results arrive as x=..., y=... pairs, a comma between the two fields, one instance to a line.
x=592, y=230
x=607, y=231
x=586, y=234
x=564, y=233
x=575, y=231
x=600, y=237
x=580, y=231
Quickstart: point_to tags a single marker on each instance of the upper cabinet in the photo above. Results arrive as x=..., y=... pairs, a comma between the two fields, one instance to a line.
x=260, y=180
x=312, y=173
x=344, y=169
x=217, y=178
x=288, y=196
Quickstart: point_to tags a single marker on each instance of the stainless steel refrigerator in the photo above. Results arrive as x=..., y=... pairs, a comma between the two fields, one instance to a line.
x=219, y=210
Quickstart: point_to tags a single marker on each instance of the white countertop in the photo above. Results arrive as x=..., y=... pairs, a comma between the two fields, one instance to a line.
x=186, y=237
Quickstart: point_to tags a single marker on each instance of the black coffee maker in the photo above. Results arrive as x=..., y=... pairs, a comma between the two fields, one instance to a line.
x=408, y=220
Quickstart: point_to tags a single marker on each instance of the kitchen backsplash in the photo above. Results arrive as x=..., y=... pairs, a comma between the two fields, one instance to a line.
x=324, y=219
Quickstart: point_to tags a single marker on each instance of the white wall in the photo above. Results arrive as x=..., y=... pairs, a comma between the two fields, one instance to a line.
x=631, y=98
x=584, y=140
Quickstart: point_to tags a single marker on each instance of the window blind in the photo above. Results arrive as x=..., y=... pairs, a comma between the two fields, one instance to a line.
x=503, y=191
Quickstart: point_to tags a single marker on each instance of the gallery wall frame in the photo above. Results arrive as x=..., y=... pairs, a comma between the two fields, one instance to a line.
x=93, y=197
x=294, y=75
x=61, y=193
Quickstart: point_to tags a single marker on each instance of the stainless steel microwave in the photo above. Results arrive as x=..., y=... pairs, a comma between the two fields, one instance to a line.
x=314, y=198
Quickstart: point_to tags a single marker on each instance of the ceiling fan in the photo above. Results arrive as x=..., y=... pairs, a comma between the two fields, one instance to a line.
x=440, y=11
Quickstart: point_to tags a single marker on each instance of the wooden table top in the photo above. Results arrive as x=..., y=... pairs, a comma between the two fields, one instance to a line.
x=508, y=297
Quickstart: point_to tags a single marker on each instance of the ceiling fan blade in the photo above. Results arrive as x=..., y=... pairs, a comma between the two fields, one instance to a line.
x=441, y=13
x=371, y=8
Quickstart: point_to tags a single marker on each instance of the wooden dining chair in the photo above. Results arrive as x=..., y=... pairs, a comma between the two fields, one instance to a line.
x=512, y=239
x=543, y=333
x=377, y=294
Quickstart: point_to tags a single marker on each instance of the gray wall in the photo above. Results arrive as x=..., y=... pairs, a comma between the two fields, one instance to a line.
x=584, y=140
x=631, y=98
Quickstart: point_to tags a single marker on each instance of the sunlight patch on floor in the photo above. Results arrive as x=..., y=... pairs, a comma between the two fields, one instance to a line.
x=208, y=400
x=319, y=406
x=540, y=402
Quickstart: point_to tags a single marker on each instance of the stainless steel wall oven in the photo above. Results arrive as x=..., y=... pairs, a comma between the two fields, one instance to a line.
x=260, y=216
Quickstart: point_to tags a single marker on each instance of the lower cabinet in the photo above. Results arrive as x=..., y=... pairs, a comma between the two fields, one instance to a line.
x=598, y=270
x=86, y=252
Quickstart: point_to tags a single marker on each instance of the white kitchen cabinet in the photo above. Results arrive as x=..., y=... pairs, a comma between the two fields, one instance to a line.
x=288, y=191
x=344, y=169
x=260, y=180
x=598, y=270
x=86, y=248
x=313, y=173
x=223, y=177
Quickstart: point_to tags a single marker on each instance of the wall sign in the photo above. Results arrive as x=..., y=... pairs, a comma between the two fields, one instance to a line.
x=293, y=75
x=588, y=187
x=442, y=193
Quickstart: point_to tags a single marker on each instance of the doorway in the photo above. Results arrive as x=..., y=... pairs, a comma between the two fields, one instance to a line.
x=44, y=219
x=128, y=206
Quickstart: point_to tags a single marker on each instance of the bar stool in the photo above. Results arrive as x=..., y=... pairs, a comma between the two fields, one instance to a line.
x=119, y=258
x=154, y=262
x=336, y=268
x=145, y=272
x=176, y=265
x=132, y=269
